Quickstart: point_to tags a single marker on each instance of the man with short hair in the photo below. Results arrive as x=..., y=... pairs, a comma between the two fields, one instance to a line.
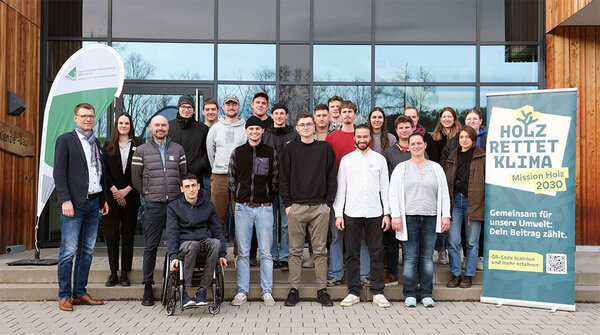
x=156, y=170
x=322, y=122
x=190, y=134
x=252, y=178
x=79, y=179
x=210, y=111
x=362, y=210
x=333, y=105
x=278, y=137
x=307, y=187
x=193, y=229
x=227, y=134
x=413, y=113
x=260, y=106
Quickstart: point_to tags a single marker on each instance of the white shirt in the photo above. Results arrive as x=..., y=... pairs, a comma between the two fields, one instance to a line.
x=94, y=185
x=362, y=190
x=124, y=154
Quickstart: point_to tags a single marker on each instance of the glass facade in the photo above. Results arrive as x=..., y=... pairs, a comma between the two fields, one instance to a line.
x=387, y=53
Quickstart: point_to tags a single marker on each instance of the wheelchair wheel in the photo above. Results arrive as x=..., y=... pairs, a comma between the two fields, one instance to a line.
x=170, y=307
x=165, y=279
x=214, y=310
x=218, y=291
x=170, y=295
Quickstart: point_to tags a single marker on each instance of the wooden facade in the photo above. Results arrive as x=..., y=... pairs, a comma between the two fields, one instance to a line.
x=573, y=60
x=20, y=73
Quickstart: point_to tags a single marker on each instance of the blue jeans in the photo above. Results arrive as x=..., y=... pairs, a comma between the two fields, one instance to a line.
x=78, y=238
x=472, y=229
x=417, y=254
x=280, y=251
x=261, y=218
x=336, y=250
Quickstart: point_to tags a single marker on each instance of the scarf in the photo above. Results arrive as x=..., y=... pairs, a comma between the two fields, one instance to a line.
x=95, y=157
x=184, y=122
x=420, y=129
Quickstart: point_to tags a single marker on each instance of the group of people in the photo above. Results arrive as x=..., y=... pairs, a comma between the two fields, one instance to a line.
x=354, y=193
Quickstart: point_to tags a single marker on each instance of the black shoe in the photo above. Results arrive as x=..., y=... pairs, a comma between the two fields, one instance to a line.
x=284, y=266
x=148, y=299
x=323, y=298
x=113, y=279
x=466, y=282
x=276, y=265
x=454, y=282
x=292, y=299
x=124, y=279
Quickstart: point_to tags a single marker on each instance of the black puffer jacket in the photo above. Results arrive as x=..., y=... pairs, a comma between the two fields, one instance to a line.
x=155, y=182
x=278, y=138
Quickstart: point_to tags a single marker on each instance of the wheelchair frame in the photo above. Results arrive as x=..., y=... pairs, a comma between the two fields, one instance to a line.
x=173, y=285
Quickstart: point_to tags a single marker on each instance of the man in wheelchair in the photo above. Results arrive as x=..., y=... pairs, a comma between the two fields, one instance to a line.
x=193, y=229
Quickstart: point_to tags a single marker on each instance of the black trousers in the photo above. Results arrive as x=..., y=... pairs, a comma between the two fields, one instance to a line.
x=120, y=223
x=352, y=239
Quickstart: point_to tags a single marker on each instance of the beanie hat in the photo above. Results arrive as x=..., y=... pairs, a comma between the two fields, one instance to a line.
x=185, y=99
x=280, y=105
x=254, y=121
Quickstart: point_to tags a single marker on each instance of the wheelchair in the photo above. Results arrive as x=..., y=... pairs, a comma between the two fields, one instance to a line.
x=173, y=285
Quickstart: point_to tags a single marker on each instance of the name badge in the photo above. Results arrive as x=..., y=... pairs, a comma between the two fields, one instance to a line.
x=171, y=158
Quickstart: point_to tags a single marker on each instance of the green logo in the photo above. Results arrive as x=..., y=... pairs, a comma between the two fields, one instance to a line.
x=73, y=73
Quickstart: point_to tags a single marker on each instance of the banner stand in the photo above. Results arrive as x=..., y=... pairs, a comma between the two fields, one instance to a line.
x=499, y=302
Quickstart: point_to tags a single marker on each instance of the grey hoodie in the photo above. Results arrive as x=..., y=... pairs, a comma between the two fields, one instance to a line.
x=222, y=138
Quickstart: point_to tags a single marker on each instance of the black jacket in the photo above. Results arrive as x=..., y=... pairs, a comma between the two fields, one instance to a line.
x=453, y=144
x=71, y=173
x=193, y=140
x=114, y=176
x=277, y=138
x=253, y=173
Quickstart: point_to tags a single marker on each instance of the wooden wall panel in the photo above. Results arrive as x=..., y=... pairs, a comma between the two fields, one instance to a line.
x=30, y=9
x=573, y=60
x=558, y=11
x=19, y=73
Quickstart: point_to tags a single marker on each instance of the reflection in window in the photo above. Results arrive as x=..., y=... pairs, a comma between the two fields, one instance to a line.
x=83, y=18
x=342, y=20
x=297, y=98
x=143, y=107
x=496, y=89
x=424, y=63
x=60, y=51
x=163, y=19
x=342, y=63
x=509, y=20
x=294, y=63
x=245, y=94
x=247, y=62
x=175, y=61
x=360, y=95
x=247, y=20
x=428, y=100
x=511, y=63
x=294, y=20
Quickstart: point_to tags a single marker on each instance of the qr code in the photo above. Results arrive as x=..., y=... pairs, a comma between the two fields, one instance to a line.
x=556, y=263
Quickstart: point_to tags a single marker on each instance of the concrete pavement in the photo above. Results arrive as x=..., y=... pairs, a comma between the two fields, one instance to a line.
x=130, y=317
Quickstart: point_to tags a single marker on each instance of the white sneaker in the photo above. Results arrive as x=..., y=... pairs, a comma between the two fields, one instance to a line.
x=442, y=257
x=480, y=263
x=381, y=301
x=350, y=300
x=268, y=300
x=239, y=299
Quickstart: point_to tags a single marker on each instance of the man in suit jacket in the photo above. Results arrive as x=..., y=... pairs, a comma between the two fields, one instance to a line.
x=81, y=194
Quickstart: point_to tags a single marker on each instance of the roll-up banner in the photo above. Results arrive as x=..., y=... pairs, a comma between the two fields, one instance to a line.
x=95, y=75
x=529, y=246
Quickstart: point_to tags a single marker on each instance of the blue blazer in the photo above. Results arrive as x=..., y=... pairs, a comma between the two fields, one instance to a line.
x=71, y=173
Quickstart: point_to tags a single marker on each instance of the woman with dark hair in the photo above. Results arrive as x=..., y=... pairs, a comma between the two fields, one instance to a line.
x=474, y=120
x=378, y=125
x=125, y=200
x=420, y=207
x=465, y=172
x=446, y=128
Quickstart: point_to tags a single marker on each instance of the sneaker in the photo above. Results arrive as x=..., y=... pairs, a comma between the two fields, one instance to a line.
x=239, y=299
x=466, y=282
x=381, y=301
x=187, y=301
x=201, y=297
x=410, y=302
x=268, y=300
x=390, y=280
x=350, y=300
x=366, y=282
x=148, y=299
x=331, y=281
x=442, y=257
x=276, y=265
x=480, y=263
x=428, y=302
x=284, y=266
x=309, y=262
x=292, y=299
x=454, y=282
x=113, y=279
x=323, y=298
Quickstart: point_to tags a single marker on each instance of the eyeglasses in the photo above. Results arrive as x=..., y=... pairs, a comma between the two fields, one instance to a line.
x=305, y=125
x=186, y=107
x=87, y=117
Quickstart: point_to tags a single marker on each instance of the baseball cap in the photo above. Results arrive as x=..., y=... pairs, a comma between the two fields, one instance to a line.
x=231, y=97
